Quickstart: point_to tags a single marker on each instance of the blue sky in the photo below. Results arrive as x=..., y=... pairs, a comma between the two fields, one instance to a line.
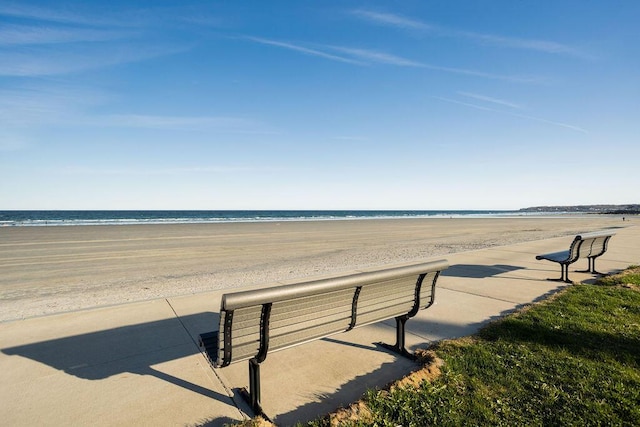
x=318, y=104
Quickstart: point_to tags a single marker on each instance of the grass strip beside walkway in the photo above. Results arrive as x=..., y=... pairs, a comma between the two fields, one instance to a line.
x=573, y=359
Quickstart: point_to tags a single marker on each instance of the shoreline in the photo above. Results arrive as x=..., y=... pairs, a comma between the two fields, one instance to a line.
x=50, y=270
x=102, y=218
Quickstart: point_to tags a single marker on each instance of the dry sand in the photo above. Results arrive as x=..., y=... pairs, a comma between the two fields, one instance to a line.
x=45, y=270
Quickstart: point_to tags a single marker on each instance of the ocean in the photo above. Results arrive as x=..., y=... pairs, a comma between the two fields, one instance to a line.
x=126, y=217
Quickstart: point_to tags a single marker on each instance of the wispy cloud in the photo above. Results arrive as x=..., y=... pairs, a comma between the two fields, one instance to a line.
x=490, y=99
x=367, y=57
x=72, y=17
x=58, y=41
x=30, y=106
x=351, y=55
x=40, y=61
x=526, y=44
x=36, y=104
x=510, y=113
x=302, y=49
x=372, y=56
x=171, y=122
x=401, y=22
x=30, y=35
x=392, y=20
x=42, y=14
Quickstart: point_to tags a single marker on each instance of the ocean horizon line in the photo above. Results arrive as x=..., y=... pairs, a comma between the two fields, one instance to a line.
x=187, y=216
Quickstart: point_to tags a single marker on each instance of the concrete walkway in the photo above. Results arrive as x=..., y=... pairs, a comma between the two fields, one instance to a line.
x=139, y=364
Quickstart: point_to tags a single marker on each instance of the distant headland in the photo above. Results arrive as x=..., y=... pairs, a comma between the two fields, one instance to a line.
x=631, y=209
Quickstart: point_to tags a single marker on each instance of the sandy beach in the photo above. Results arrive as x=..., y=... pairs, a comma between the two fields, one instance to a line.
x=46, y=270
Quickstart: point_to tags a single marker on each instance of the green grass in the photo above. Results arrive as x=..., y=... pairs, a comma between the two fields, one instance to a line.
x=571, y=360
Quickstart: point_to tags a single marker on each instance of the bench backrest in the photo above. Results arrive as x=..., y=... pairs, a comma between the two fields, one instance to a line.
x=596, y=243
x=590, y=245
x=255, y=322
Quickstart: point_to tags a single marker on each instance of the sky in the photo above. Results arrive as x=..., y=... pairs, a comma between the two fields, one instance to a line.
x=410, y=104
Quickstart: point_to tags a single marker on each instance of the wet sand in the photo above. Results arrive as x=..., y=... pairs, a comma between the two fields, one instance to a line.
x=46, y=270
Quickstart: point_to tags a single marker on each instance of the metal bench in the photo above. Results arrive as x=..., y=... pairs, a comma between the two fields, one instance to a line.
x=589, y=246
x=257, y=322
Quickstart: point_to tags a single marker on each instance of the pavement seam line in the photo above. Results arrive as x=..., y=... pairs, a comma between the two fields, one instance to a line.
x=479, y=295
x=226, y=389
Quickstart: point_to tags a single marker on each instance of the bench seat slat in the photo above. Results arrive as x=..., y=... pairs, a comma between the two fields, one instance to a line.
x=246, y=333
x=316, y=304
x=298, y=336
x=387, y=300
x=310, y=317
x=244, y=352
x=317, y=317
x=342, y=319
x=282, y=321
x=397, y=288
x=246, y=318
x=310, y=320
x=383, y=313
x=599, y=248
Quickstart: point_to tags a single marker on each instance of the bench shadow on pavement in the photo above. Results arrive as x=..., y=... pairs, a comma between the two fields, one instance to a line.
x=474, y=271
x=134, y=349
x=138, y=348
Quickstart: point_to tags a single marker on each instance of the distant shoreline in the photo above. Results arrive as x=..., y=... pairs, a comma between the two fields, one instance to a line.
x=629, y=209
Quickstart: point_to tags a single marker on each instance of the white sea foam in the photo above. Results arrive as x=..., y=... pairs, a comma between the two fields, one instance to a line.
x=75, y=218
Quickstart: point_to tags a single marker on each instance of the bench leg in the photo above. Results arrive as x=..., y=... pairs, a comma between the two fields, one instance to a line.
x=252, y=396
x=593, y=266
x=399, y=346
x=564, y=274
x=590, y=267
